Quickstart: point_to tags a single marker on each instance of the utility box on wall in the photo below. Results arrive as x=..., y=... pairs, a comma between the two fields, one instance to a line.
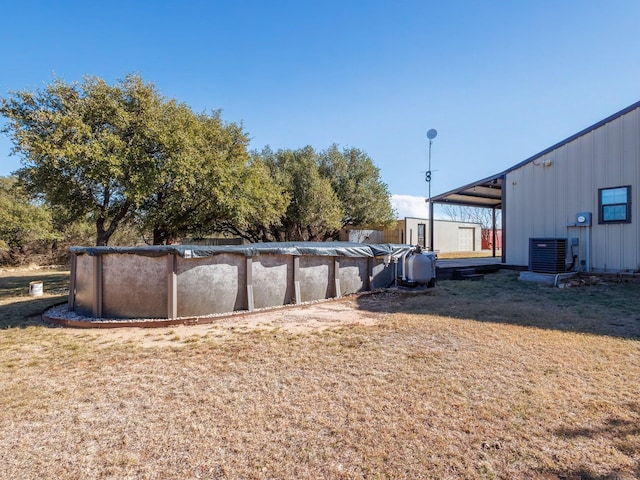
x=583, y=219
x=547, y=255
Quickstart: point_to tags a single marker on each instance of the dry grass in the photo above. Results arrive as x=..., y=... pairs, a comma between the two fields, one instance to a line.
x=493, y=379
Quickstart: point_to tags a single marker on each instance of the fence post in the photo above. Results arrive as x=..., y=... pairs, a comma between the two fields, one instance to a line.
x=249, y=276
x=72, y=283
x=336, y=276
x=97, y=286
x=172, y=286
x=296, y=279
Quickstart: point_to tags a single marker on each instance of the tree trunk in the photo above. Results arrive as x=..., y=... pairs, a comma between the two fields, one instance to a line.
x=103, y=235
x=160, y=236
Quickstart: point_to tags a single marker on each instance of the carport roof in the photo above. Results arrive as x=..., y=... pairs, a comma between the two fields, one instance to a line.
x=486, y=193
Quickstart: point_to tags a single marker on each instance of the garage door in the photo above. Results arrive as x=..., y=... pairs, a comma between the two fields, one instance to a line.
x=465, y=239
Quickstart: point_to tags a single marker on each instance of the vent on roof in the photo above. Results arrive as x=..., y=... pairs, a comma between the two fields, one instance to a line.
x=547, y=255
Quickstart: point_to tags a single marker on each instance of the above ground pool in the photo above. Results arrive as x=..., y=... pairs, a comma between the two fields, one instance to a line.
x=178, y=281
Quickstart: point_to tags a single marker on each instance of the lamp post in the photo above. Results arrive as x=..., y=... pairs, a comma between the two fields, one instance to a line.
x=431, y=134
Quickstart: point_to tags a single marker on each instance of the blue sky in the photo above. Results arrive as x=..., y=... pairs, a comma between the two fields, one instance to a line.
x=499, y=80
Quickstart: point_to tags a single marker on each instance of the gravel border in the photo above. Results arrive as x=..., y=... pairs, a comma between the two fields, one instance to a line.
x=61, y=315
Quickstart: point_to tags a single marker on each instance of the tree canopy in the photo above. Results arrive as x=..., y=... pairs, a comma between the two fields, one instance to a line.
x=123, y=153
x=325, y=192
x=364, y=198
x=85, y=147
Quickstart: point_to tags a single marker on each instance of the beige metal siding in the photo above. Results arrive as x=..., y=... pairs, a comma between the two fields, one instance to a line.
x=446, y=234
x=544, y=196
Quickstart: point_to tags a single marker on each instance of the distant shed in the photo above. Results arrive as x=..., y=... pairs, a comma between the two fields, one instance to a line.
x=449, y=236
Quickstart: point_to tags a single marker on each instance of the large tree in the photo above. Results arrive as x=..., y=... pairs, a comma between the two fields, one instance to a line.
x=205, y=179
x=123, y=153
x=314, y=209
x=86, y=147
x=364, y=198
x=325, y=191
x=261, y=202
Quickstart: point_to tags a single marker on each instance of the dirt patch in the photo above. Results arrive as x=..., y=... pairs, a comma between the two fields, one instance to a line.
x=366, y=309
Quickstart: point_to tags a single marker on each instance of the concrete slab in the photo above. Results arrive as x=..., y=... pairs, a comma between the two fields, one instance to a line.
x=548, y=278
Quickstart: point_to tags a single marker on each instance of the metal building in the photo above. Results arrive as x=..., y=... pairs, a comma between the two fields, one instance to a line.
x=449, y=235
x=585, y=189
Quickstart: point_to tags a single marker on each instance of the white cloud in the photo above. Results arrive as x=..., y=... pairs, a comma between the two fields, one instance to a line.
x=410, y=206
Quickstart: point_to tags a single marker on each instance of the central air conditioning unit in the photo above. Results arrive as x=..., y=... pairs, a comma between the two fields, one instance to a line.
x=548, y=255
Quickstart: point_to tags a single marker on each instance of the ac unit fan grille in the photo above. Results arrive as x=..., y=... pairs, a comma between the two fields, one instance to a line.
x=548, y=255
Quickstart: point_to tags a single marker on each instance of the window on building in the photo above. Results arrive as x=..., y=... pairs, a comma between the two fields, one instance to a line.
x=614, y=205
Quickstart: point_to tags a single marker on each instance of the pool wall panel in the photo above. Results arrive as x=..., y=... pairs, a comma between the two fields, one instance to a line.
x=149, y=297
x=134, y=284
x=211, y=285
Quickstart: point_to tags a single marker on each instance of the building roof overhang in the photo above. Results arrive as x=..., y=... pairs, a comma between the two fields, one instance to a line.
x=485, y=193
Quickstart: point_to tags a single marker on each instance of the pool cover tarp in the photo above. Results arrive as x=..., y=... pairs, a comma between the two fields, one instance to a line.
x=331, y=249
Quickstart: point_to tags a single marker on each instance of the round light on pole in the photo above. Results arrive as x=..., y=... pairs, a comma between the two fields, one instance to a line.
x=431, y=134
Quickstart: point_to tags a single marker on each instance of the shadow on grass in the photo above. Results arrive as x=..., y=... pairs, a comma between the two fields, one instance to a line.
x=27, y=312
x=601, y=309
x=626, y=439
x=614, y=426
x=587, y=474
x=17, y=310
